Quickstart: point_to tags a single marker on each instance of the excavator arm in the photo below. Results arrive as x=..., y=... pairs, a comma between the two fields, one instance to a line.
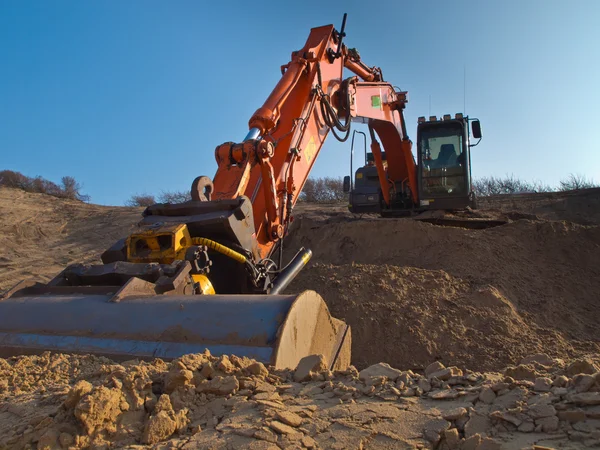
x=287, y=133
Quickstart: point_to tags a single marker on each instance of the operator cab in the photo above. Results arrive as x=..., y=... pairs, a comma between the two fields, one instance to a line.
x=444, y=162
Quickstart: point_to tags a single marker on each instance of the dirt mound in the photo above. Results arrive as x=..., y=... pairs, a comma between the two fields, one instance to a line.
x=537, y=270
x=201, y=401
x=409, y=317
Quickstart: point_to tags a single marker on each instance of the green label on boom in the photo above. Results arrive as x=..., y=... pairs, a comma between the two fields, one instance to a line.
x=376, y=101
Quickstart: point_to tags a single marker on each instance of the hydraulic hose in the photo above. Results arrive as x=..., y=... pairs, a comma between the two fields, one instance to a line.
x=213, y=245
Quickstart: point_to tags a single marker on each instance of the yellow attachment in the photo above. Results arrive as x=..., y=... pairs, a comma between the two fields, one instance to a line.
x=163, y=244
x=220, y=248
x=206, y=286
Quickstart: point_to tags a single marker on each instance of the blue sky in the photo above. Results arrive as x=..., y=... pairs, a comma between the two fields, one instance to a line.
x=133, y=96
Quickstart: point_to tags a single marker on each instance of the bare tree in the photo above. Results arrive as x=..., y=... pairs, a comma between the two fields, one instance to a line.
x=575, y=182
x=486, y=186
x=71, y=188
x=175, y=197
x=323, y=190
x=141, y=200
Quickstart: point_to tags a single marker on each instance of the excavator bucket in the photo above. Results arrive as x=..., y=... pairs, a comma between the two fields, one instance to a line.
x=275, y=329
x=148, y=298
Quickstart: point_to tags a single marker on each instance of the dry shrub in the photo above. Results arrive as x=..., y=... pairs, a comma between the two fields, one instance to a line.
x=69, y=187
x=141, y=200
x=323, y=190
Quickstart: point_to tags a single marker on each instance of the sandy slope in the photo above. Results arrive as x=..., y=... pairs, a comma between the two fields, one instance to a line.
x=40, y=234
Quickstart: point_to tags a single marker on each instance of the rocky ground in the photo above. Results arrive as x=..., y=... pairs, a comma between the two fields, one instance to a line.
x=56, y=401
x=458, y=312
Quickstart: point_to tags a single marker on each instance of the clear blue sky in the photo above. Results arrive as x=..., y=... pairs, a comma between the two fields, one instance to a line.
x=133, y=96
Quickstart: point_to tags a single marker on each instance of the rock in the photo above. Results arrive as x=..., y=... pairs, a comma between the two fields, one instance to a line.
x=219, y=385
x=507, y=417
x=66, y=440
x=446, y=374
x=265, y=434
x=454, y=414
x=526, y=427
x=379, y=370
x=560, y=381
x=542, y=384
x=487, y=395
x=207, y=370
x=258, y=369
x=461, y=422
x=432, y=436
x=521, y=372
x=572, y=416
x=177, y=378
x=585, y=398
x=500, y=386
x=581, y=366
x=445, y=394
x=79, y=390
x=225, y=365
x=539, y=411
x=477, y=424
x=289, y=418
x=49, y=440
x=163, y=404
x=307, y=365
x=99, y=409
x=410, y=392
x=309, y=442
x=424, y=385
x=583, y=382
x=540, y=358
x=588, y=426
x=559, y=391
x=158, y=428
x=434, y=367
x=403, y=380
x=281, y=428
x=434, y=428
x=548, y=423
x=471, y=443
x=375, y=381
x=452, y=438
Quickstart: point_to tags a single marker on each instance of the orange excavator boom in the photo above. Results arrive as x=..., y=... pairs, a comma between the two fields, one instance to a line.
x=287, y=132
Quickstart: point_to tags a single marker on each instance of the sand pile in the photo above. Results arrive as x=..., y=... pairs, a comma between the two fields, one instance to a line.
x=475, y=298
x=200, y=401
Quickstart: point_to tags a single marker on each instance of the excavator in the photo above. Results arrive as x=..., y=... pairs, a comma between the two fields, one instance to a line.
x=442, y=173
x=209, y=273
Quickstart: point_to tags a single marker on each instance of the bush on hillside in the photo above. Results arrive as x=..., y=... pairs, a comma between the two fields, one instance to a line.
x=141, y=200
x=487, y=186
x=174, y=197
x=68, y=188
x=575, y=182
x=323, y=190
